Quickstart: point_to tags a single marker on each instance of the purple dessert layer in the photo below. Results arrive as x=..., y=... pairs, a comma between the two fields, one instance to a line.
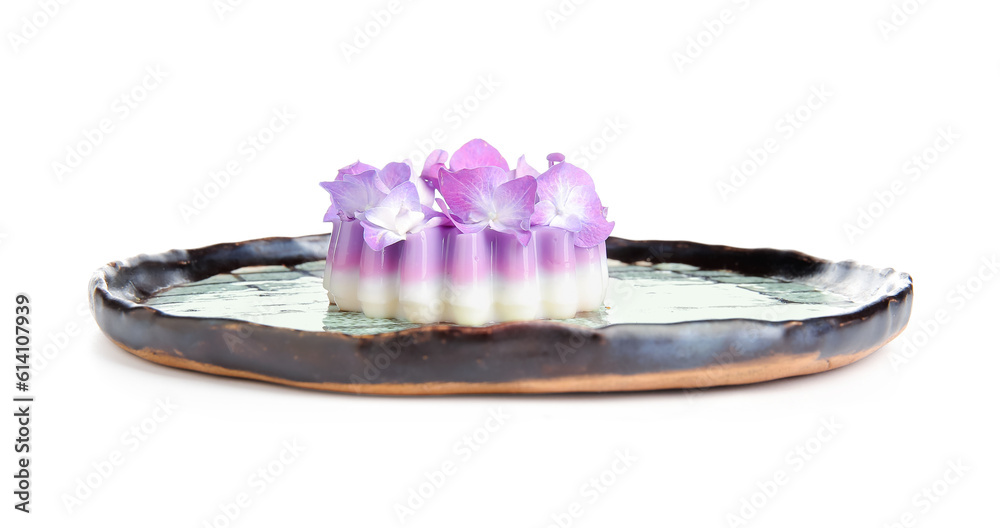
x=548, y=277
x=555, y=250
x=469, y=256
x=347, y=246
x=378, y=264
x=514, y=262
x=423, y=255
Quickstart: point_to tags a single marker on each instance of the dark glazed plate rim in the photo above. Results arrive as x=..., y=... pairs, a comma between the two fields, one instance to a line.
x=508, y=357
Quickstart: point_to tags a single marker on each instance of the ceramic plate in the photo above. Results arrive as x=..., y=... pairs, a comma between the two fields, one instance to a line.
x=677, y=315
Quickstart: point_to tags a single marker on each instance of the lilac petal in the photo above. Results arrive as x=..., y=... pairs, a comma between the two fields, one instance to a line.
x=334, y=210
x=378, y=238
x=513, y=203
x=562, y=177
x=348, y=197
x=545, y=211
x=571, y=223
x=575, y=204
x=437, y=157
x=425, y=190
x=331, y=213
x=469, y=193
x=396, y=215
x=474, y=227
x=523, y=169
x=432, y=175
x=355, y=168
x=477, y=153
x=571, y=190
x=355, y=193
x=434, y=218
x=392, y=175
x=404, y=196
x=595, y=231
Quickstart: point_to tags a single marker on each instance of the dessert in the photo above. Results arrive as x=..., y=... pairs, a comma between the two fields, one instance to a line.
x=467, y=240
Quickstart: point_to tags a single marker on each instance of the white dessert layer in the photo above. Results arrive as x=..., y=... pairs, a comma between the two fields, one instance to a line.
x=469, y=304
x=421, y=302
x=516, y=300
x=343, y=290
x=591, y=282
x=379, y=296
x=559, y=294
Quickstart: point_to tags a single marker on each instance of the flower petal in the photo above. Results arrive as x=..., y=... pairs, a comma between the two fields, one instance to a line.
x=571, y=223
x=513, y=203
x=367, y=181
x=560, y=178
x=545, y=211
x=392, y=175
x=595, y=230
x=432, y=166
x=523, y=169
x=575, y=205
x=395, y=215
x=469, y=193
x=355, y=168
x=477, y=153
x=348, y=197
x=378, y=238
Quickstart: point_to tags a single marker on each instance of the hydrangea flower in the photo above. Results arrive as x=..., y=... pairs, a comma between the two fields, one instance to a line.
x=567, y=199
x=474, y=154
x=489, y=197
x=352, y=194
x=359, y=187
x=480, y=190
x=396, y=215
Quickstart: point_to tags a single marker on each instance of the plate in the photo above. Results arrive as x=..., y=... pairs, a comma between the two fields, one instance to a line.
x=677, y=315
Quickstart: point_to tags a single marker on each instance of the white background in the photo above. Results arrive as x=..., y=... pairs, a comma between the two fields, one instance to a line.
x=699, y=454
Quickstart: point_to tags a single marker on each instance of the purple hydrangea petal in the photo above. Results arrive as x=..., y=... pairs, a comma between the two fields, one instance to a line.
x=513, y=203
x=561, y=178
x=432, y=167
x=523, y=169
x=477, y=153
x=571, y=223
x=396, y=215
x=378, y=238
x=595, y=230
x=332, y=213
x=469, y=193
x=568, y=200
x=354, y=194
x=435, y=218
x=355, y=168
x=392, y=175
x=544, y=212
x=334, y=210
x=424, y=190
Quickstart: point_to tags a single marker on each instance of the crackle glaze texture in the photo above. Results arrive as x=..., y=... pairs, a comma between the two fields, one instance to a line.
x=677, y=315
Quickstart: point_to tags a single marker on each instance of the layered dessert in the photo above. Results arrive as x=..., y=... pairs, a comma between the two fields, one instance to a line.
x=468, y=240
